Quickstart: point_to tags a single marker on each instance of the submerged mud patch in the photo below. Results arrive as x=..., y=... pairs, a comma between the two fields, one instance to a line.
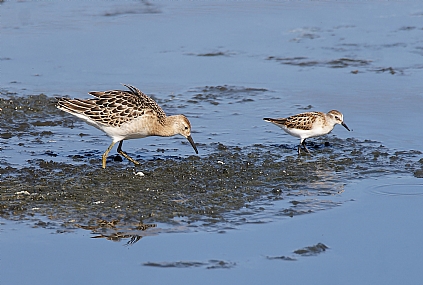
x=359, y=65
x=306, y=251
x=342, y=62
x=142, y=7
x=216, y=95
x=211, y=264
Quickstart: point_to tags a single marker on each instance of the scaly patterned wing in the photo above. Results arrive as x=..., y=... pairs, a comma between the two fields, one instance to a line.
x=114, y=107
x=303, y=121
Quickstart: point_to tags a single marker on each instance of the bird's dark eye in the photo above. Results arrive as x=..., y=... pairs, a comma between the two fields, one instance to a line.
x=186, y=128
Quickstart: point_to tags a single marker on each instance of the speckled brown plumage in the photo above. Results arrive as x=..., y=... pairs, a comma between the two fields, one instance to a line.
x=114, y=107
x=308, y=125
x=303, y=121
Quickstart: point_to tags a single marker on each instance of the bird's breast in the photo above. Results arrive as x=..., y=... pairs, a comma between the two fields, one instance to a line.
x=135, y=129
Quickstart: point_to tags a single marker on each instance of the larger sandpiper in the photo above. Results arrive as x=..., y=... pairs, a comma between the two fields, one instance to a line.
x=309, y=124
x=124, y=115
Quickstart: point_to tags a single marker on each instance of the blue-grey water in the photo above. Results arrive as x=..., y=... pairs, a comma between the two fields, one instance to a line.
x=276, y=59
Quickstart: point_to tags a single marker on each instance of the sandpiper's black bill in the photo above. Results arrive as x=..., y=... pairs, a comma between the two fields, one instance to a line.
x=345, y=126
x=191, y=141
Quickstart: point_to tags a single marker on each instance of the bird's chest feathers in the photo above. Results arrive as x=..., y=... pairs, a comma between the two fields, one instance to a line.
x=140, y=127
x=316, y=130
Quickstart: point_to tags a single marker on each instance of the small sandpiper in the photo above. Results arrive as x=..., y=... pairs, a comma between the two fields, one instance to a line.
x=309, y=124
x=124, y=115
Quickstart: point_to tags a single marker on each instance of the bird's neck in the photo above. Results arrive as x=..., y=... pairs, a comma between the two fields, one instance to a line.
x=167, y=128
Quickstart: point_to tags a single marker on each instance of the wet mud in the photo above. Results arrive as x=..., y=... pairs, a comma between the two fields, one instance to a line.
x=222, y=189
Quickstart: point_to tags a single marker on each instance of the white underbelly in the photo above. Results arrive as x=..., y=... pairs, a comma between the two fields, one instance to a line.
x=307, y=133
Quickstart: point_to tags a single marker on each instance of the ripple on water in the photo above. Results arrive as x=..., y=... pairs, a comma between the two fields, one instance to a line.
x=398, y=189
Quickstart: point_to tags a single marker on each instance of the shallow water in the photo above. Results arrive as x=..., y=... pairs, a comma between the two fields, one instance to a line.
x=340, y=245
x=199, y=188
x=247, y=205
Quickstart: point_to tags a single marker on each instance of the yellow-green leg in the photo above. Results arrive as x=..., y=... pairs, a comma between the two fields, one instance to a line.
x=120, y=151
x=106, y=153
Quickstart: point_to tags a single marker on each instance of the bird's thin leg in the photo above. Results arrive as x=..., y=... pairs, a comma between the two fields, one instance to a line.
x=304, y=145
x=106, y=153
x=120, y=151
